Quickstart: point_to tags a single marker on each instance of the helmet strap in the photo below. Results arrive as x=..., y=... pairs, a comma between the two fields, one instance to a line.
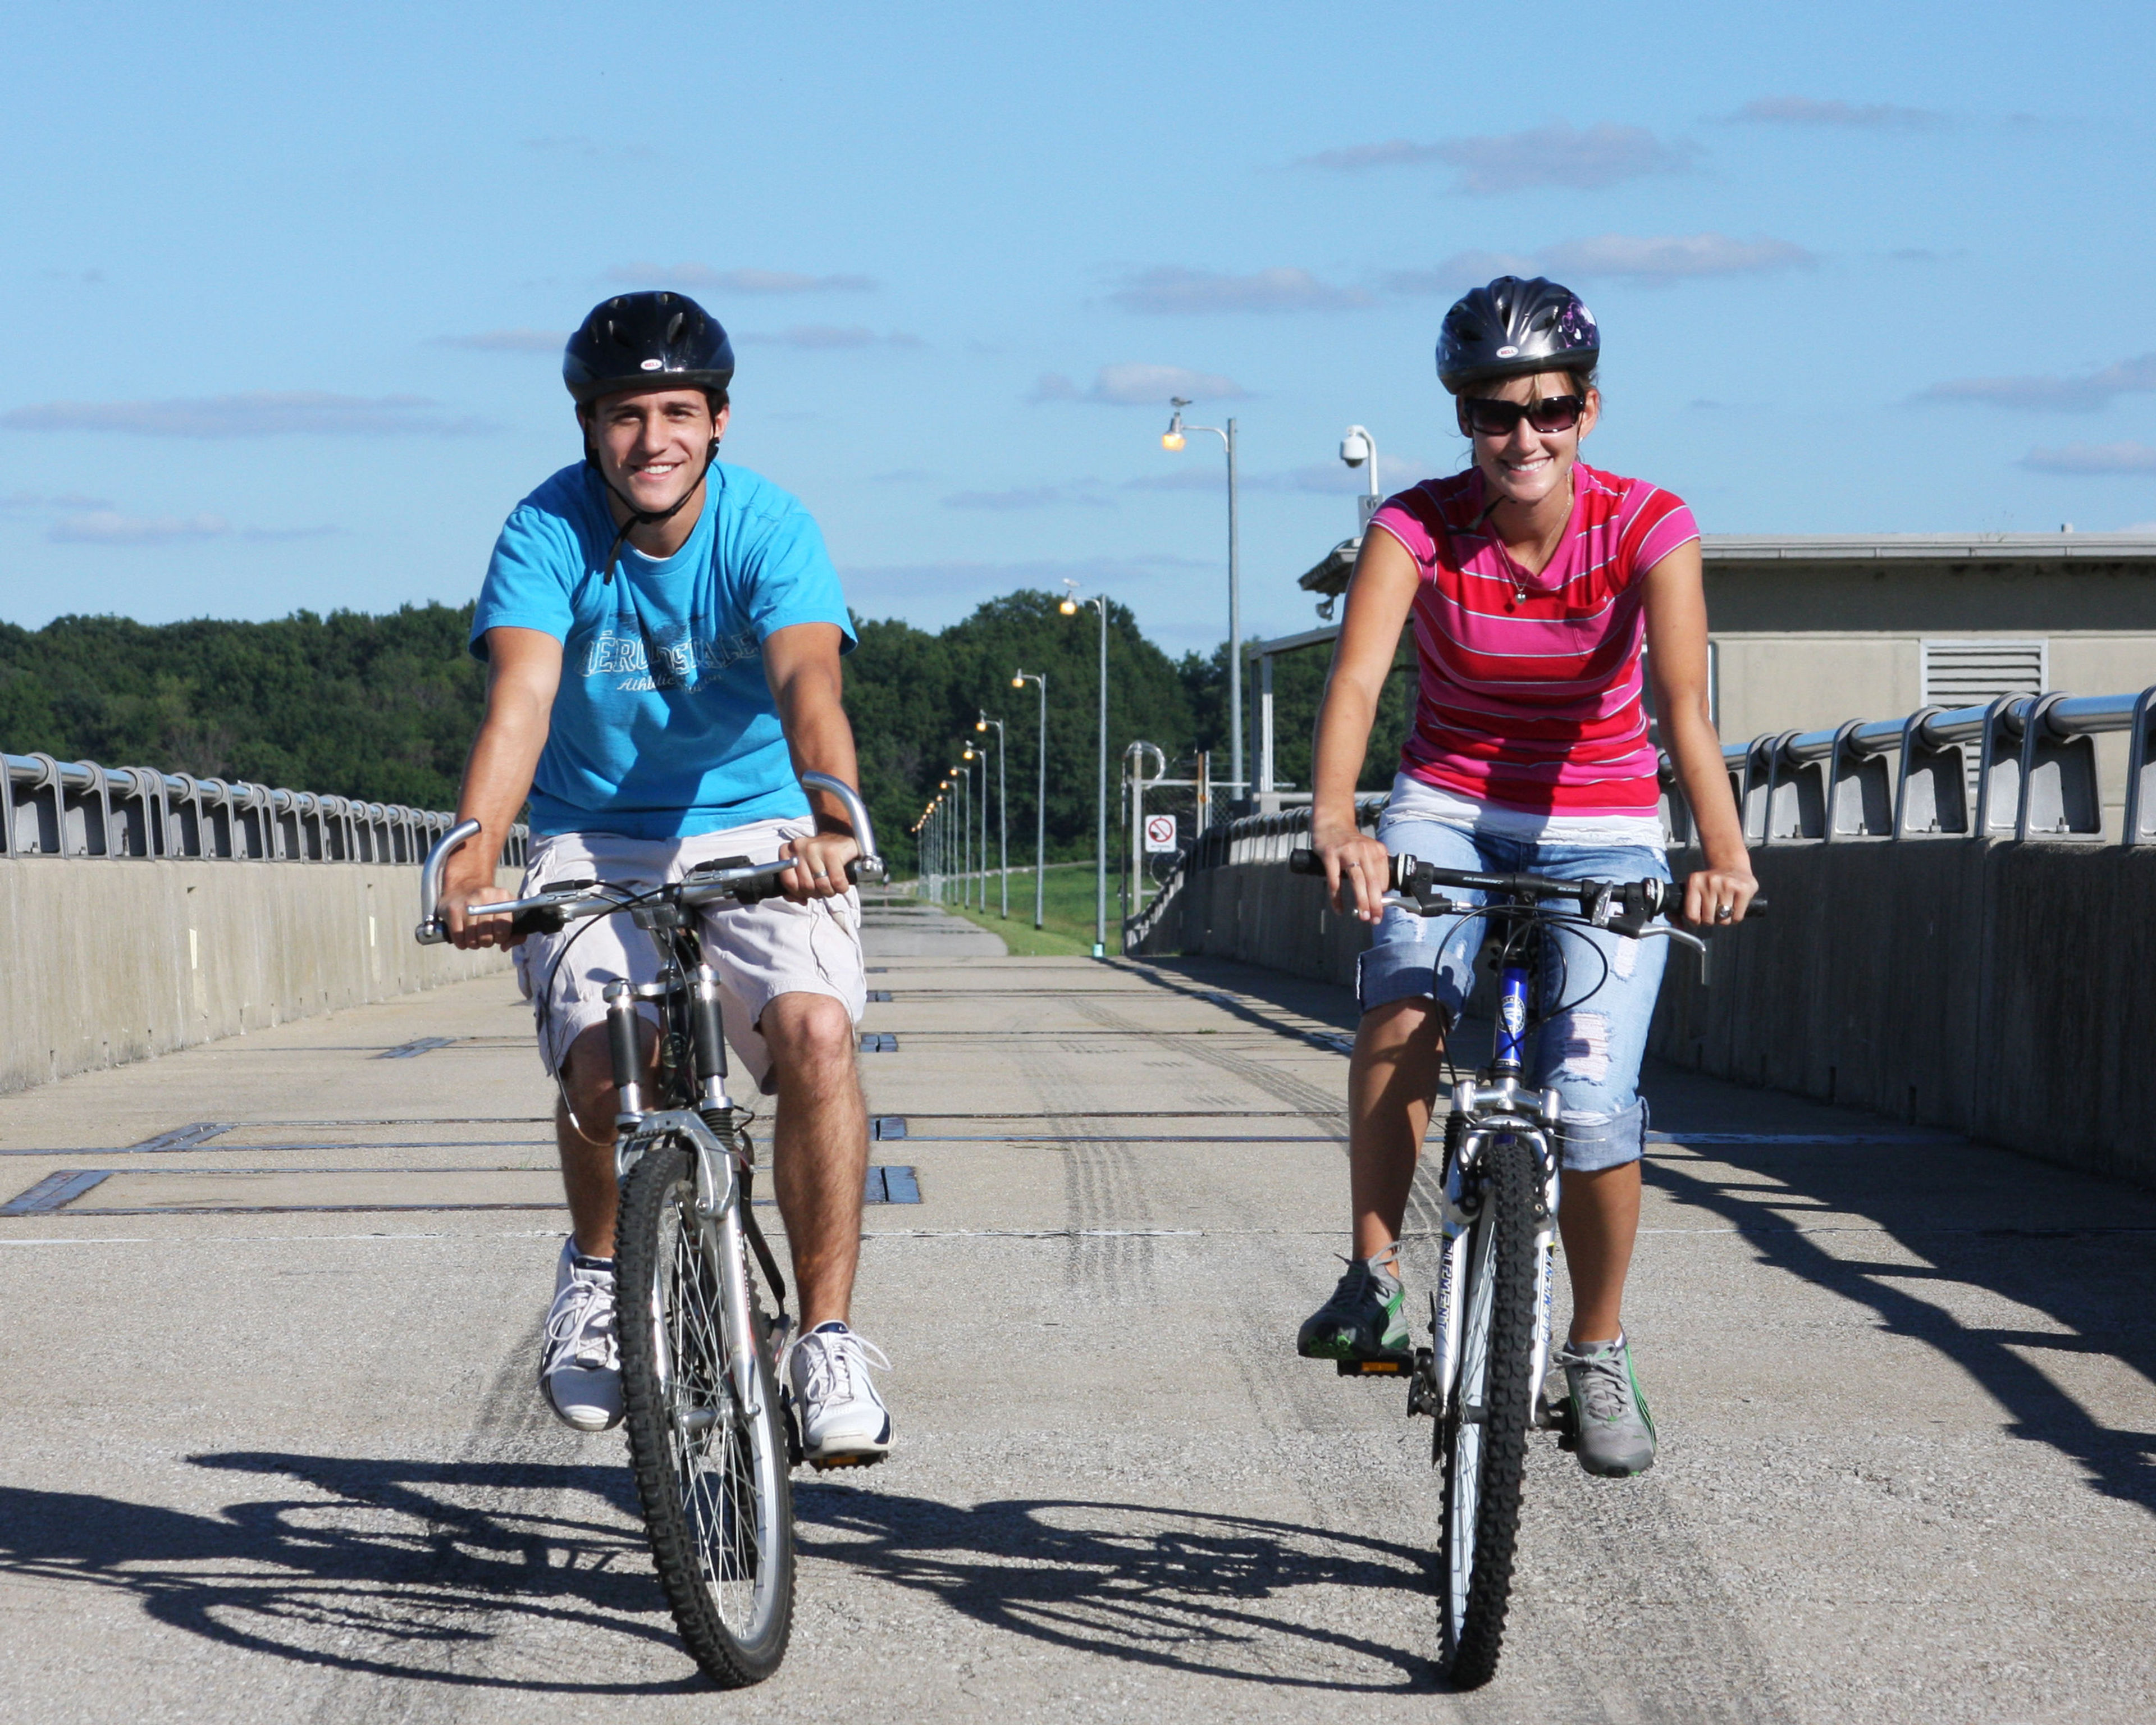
x=643, y=517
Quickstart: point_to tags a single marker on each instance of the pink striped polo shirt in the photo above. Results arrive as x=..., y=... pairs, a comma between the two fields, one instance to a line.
x=1531, y=685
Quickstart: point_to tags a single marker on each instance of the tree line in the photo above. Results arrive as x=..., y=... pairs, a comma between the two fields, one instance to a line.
x=383, y=708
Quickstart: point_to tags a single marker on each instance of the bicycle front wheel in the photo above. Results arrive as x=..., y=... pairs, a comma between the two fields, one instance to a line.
x=1481, y=1441
x=712, y=1473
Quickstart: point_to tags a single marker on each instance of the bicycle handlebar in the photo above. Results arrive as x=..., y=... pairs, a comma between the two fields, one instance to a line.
x=1633, y=900
x=545, y=910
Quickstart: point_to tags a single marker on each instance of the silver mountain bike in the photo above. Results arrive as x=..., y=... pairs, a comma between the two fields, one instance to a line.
x=712, y=1436
x=1480, y=1379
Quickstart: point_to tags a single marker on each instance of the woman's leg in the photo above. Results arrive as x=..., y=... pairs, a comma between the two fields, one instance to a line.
x=1392, y=1081
x=1600, y=1217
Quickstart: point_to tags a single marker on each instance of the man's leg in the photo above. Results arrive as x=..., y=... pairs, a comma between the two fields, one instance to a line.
x=820, y=1147
x=584, y=1134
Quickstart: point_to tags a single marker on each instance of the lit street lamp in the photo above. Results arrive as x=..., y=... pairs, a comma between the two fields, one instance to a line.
x=1003, y=806
x=1174, y=439
x=1019, y=681
x=1068, y=607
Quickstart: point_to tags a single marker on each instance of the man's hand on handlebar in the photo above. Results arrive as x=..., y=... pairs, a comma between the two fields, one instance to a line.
x=459, y=910
x=1717, y=898
x=819, y=869
x=1356, y=869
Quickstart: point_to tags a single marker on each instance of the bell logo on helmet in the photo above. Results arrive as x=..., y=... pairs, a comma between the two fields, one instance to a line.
x=1506, y=351
x=652, y=365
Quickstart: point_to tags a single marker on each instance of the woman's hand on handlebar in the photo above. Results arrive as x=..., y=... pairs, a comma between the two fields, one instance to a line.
x=1356, y=869
x=461, y=910
x=1716, y=898
x=820, y=869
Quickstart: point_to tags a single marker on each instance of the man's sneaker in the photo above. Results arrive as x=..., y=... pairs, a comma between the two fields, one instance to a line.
x=1365, y=1318
x=580, y=1360
x=844, y=1422
x=1613, y=1430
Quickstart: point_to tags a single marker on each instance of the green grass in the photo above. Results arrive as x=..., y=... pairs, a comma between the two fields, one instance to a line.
x=1067, y=923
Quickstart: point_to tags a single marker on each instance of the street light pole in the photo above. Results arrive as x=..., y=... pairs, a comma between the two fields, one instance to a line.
x=1003, y=806
x=1019, y=681
x=1070, y=608
x=1173, y=439
x=981, y=749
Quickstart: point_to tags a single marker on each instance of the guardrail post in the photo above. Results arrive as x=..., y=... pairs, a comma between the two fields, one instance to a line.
x=87, y=814
x=185, y=828
x=1998, y=767
x=1860, y=796
x=1932, y=794
x=1796, y=794
x=137, y=813
x=2141, y=773
x=1752, y=793
x=2059, y=795
x=39, y=803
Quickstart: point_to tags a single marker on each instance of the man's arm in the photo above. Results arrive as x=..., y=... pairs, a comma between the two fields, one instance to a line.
x=524, y=668
x=801, y=664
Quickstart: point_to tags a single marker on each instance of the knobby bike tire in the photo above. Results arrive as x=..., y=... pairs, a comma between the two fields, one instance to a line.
x=706, y=1492
x=1484, y=1469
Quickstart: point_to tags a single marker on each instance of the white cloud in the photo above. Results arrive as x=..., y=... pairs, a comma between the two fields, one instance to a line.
x=1611, y=256
x=1330, y=477
x=1393, y=152
x=1807, y=110
x=737, y=281
x=53, y=500
x=1141, y=386
x=260, y=413
x=1673, y=258
x=1558, y=155
x=106, y=527
x=508, y=341
x=1082, y=493
x=1169, y=288
x=824, y=336
x=2094, y=459
x=2082, y=394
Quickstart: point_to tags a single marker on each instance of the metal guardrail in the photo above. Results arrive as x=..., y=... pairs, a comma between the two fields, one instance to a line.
x=2030, y=757
x=78, y=808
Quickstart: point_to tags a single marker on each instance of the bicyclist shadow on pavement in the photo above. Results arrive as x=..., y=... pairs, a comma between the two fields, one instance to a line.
x=1977, y=1227
x=455, y=1573
x=1219, y=1595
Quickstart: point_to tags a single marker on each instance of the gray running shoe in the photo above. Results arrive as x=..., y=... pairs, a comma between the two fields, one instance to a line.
x=1366, y=1317
x=1614, y=1432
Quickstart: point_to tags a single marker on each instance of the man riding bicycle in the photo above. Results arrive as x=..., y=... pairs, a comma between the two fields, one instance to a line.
x=662, y=635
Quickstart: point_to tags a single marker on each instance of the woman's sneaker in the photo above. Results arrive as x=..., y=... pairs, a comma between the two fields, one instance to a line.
x=844, y=1422
x=1612, y=1430
x=1366, y=1318
x=580, y=1359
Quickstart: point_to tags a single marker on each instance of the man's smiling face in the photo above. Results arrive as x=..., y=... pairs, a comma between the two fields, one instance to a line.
x=651, y=443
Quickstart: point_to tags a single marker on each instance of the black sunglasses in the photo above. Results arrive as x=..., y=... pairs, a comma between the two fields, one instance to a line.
x=1486, y=416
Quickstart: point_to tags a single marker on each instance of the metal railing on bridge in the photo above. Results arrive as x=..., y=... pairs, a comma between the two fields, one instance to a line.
x=78, y=808
x=2022, y=767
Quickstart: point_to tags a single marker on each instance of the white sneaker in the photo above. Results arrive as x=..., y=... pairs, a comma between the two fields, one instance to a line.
x=580, y=1360
x=844, y=1422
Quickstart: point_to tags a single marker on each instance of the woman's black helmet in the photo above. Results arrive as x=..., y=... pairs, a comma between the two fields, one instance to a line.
x=647, y=340
x=1514, y=327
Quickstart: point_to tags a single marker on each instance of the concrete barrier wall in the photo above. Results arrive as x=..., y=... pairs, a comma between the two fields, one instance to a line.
x=103, y=961
x=2005, y=991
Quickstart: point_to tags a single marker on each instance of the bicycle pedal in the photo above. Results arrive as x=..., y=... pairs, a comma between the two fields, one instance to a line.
x=1383, y=1365
x=824, y=1464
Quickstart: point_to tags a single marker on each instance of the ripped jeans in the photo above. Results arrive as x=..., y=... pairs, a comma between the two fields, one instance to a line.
x=1590, y=1055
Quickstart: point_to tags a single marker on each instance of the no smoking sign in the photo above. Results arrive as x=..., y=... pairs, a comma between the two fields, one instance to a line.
x=1160, y=832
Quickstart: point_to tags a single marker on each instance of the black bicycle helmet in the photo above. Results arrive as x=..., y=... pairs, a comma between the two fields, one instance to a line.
x=1514, y=327
x=647, y=341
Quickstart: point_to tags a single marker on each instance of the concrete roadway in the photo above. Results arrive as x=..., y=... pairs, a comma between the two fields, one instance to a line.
x=289, y=1464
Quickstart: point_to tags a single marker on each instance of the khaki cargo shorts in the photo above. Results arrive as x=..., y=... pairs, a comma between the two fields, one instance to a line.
x=760, y=951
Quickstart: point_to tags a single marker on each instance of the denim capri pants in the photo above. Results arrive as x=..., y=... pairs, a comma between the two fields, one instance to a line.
x=1590, y=1053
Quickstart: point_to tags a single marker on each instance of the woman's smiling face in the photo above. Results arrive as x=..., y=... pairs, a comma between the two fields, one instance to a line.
x=1525, y=466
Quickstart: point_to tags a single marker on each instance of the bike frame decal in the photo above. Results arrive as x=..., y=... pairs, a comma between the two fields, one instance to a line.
x=1512, y=1019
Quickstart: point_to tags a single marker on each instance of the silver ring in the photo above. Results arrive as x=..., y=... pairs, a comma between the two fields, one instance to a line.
x=825, y=874
x=1723, y=913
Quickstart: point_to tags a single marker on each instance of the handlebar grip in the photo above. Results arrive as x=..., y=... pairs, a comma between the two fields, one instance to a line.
x=1758, y=907
x=525, y=923
x=1303, y=861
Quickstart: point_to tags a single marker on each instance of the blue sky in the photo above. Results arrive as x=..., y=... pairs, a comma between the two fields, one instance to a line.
x=285, y=285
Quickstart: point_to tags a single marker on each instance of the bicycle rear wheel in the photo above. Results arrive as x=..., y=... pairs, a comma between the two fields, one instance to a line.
x=1481, y=1441
x=711, y=1474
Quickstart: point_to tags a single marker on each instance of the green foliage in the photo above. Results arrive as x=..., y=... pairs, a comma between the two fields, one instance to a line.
x=377, y=707
x=385, y=708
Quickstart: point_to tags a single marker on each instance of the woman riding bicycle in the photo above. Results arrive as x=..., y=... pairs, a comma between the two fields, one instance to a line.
x=1541, y=589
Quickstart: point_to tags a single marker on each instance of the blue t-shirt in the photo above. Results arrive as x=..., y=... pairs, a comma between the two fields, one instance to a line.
x=664, y=725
